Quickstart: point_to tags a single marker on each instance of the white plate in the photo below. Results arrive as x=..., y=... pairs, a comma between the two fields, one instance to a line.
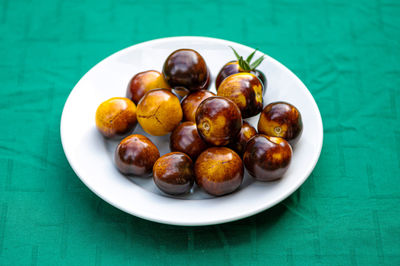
x=91, y=156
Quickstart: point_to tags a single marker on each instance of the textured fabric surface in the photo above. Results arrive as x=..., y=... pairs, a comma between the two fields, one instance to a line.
x=347, y=212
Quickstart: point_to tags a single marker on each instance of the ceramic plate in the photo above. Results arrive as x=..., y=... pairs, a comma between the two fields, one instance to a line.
x=91, y=156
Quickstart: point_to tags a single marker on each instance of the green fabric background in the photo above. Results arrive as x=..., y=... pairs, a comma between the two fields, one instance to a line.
x=346, y=213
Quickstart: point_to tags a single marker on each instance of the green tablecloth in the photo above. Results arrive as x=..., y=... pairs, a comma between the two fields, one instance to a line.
x=347, y=212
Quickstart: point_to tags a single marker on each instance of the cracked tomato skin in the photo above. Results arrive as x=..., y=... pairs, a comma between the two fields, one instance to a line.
x=267, y=158
x=136, y=155
x=159, y=112
x=185, y=69
x=143, y=82
x=281, y=119
x=219, y=171
x=173, y=173
x=218, y=120
x=192, y=101
x=116, y=117
x=245, y=90
x=185, y=138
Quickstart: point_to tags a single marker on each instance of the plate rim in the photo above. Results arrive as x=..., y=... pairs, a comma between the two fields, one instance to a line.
x=231, y=218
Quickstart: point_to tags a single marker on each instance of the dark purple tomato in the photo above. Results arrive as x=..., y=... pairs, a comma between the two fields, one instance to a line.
x=281, y=119
x=246, y=133
x=232, y=67
x=185, y=69
x=218, y=120
x=136, y=155
x=267, y=158
x=173, y=173
x=185, y=138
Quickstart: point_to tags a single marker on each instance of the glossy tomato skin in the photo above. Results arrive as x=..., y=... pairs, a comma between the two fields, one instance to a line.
x=228, y=69
x=186, y=69
x=245, y=90
x=185, y=138
x=173, y=173
x=267, y=158
x=136, y=155
x=116, y=117
x=281, y=119
x=259, y=74
x=219, y=171
x=143, y=82
x=232, y=67
x=218, y=120
x=246, y=133
x=192, y=101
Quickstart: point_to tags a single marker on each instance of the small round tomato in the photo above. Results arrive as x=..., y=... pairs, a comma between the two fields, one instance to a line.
x=185, y=69
x=219, y=171
x=159, y=112
x=116, y=117
x=185, y=138
x=281, y=119
x=136, y=155
x=192, y=101
x=218, y=120
x=232, y=67
x=173, y=173
x=267, y=158
x=241, y=65
x=143, y=82
x=245, y=90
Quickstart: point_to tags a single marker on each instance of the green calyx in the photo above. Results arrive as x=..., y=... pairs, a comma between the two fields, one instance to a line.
x=246, y=65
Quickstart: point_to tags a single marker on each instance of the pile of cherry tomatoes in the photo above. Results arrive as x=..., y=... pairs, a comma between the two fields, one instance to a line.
x=210, y=141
